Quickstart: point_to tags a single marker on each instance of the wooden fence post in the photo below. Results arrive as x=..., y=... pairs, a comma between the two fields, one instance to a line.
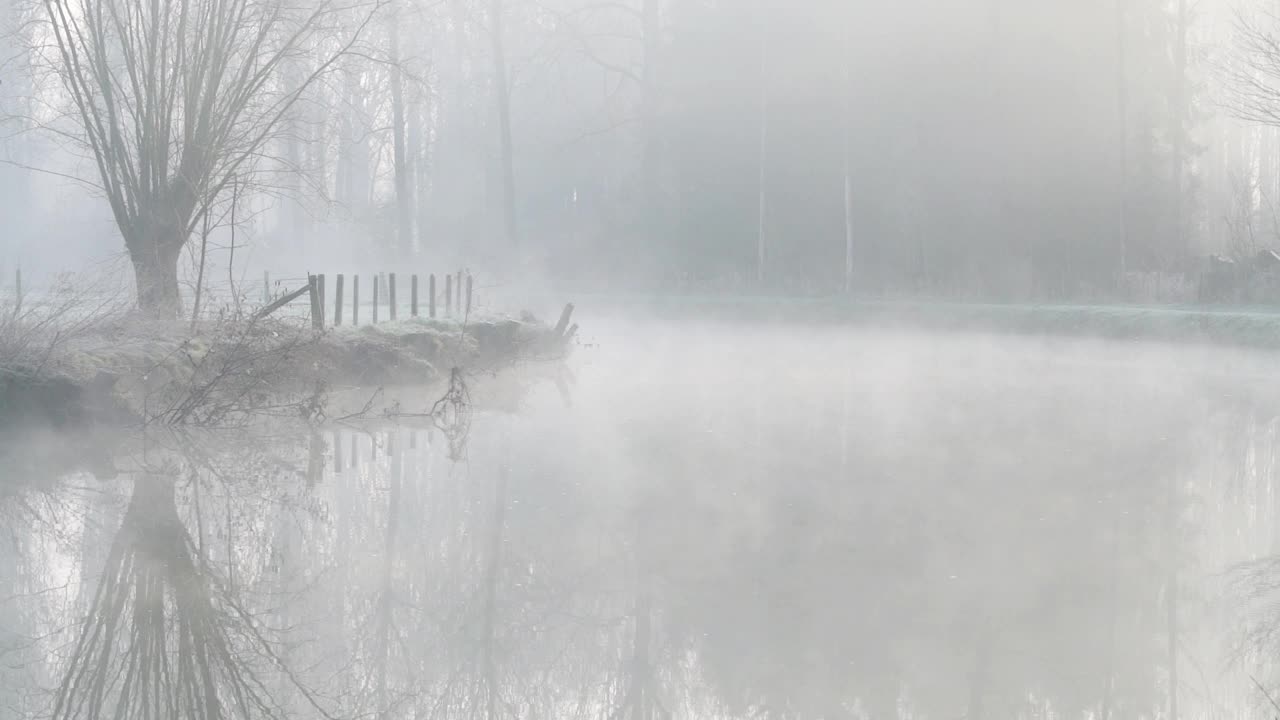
x=266, y=287
x=448, y=295
x=355, y=300
x=317, y=312
x=468, y=294
x=413, y=295
x=431, y=296
x=375, y=298
x=565, y=315
x=323, y=305
x=391, y=294
x=337, y=302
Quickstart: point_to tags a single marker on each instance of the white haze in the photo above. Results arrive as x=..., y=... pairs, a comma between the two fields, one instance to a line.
x=724, y=505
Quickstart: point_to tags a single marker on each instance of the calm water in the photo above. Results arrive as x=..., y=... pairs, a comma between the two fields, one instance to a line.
x=713, y=521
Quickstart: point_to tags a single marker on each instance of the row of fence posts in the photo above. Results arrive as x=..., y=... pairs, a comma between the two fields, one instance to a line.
x=458, y=289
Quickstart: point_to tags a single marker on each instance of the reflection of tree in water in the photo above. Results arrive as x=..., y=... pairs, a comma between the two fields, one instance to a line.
x=164, y=638
x=1002, y=561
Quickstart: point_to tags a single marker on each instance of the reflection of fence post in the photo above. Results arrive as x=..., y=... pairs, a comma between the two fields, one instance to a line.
x=448, y=295
x=337, y=441
x=337, y=302
x=375, y=298
x=355, y=299
x=413, y=295
x=468, y=294
x=315, y=460
x=317, y=313
x=391, y=294
x=431, y=296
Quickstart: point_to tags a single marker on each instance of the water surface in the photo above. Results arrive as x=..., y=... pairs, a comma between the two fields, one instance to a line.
x=710, y=520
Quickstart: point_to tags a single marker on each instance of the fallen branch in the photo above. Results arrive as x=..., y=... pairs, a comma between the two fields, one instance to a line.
x=280, y=303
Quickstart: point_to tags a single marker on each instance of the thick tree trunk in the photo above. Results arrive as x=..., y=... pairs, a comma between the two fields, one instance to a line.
x=1179, y=103
x=1122, y=110
x=763, y=155
x=652, y=29
x=847, y=93
x=155, y=270
x=420, y=143
x=403, y=172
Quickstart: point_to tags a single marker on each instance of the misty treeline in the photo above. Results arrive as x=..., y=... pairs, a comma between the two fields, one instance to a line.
x=991, y=148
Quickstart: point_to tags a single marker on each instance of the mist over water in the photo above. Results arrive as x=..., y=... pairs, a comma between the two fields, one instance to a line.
x=834, y=433
x=719, y=520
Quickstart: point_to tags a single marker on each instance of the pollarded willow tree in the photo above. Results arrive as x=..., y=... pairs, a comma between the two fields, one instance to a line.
x=177, y=100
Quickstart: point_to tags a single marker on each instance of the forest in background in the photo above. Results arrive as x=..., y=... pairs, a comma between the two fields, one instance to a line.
x=991, y=149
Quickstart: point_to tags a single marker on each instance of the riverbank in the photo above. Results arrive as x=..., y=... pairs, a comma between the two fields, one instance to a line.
x=225, y=373
x=1247, y=327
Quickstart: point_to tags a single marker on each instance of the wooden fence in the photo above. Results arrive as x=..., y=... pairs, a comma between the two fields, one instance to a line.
x=455, y=295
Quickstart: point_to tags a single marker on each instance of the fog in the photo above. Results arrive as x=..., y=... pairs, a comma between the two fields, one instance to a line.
x=852, y=524
x=914, y=359
x=994, y=149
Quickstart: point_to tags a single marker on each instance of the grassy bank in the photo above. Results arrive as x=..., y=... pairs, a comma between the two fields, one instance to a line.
x=123, y=370
x=1243, y=327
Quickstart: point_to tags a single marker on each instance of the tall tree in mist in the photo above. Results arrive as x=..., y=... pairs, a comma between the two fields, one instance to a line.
x=847, y=91
x=763, y=154
x=177, y=99
x=502, y=99
x=1122, y=134
x=1179, y=113
x=400, y=155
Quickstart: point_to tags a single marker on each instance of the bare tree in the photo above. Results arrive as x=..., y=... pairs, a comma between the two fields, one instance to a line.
x=1253, y=76
x=845, y=130
x=177, y=99
x=763, y=156
x=1122, y=135
x=401, y=158
x=1180, y=115
x=502, y=96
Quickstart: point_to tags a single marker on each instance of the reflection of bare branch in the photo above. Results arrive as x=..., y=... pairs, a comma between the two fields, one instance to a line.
x=163, y=637
x=452, y=414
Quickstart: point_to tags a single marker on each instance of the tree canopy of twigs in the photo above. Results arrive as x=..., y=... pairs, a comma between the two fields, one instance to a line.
x=176, y=100
x=1253, y=72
